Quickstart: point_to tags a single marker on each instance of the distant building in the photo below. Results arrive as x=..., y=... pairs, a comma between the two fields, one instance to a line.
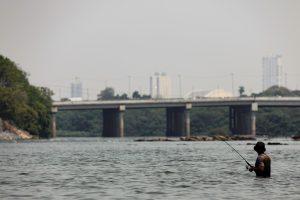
x=272, y=71
x=217, y=93
x=160, y=86
x=76, y=89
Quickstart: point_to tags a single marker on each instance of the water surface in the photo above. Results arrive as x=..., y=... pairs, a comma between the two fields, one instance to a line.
x=98, y=168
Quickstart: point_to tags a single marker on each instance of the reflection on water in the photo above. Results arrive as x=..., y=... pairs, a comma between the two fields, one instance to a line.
x=97, y=168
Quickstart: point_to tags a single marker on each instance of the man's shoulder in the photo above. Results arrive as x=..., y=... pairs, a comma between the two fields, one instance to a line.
x=264, y=157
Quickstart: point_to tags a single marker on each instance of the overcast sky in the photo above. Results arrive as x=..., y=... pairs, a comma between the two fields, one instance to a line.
x=105, y=42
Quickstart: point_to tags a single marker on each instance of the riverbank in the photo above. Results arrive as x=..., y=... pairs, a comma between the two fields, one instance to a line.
x=218, y=138
x=198, y=138
x=9, y=132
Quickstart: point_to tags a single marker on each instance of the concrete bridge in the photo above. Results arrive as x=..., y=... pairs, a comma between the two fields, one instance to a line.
x=242, y=112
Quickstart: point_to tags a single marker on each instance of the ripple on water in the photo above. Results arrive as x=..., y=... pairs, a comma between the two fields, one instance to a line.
x=71, y=169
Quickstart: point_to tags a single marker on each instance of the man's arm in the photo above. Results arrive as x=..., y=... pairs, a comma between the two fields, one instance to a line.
x=260, y=166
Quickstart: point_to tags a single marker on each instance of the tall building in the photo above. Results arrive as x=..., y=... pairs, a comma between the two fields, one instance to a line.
x=272, y=71
x=160, y=86
x=76, y=89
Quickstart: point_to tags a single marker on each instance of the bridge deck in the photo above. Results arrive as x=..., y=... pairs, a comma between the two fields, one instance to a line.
x=165, y=103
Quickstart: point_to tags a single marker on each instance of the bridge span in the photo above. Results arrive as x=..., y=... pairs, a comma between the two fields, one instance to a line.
x=242, y=112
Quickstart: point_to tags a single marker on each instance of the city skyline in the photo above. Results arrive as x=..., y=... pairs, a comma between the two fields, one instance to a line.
x=199, y=44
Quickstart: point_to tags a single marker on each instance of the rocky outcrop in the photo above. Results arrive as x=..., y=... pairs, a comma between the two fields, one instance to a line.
x=196, y=138
x=9, y=132
x=217, y=137
x=155, y=140
x=199, y=138
x=234, y=137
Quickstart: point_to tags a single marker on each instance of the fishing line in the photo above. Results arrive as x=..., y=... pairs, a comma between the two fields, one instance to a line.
x=237, y=153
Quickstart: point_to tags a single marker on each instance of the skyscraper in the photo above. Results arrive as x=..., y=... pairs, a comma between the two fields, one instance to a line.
x=160, y=86
x=272, y=71
x=76, y=89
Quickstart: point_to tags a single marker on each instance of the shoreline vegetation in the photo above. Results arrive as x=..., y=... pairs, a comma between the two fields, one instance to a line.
x=28, y=107
x=210, y=121
x=23, y=105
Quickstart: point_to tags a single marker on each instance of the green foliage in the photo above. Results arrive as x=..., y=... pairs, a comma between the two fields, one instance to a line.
x=136, y=95
x=276, y=91
x=122, y=97
x=107, y=94
x=79, y=121
x=25, y=105
x=296, y=93
x=10, y=75
x=209, y=121
x=241, y=91
x=278, y=121
x=145, y=122
x=62, y=133
x=204, y=121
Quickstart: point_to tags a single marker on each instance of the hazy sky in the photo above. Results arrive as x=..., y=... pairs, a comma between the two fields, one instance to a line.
x=105, y=42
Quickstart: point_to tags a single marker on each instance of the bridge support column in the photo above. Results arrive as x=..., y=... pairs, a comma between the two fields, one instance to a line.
x=243, y=119
x=178, y=121
x=53, y=122
x=113, y=122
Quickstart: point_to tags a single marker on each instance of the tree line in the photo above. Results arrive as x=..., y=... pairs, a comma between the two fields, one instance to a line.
x=204, y=121
x=26, y=106
x=109, y=94
x=29, y=108
x=278, y=121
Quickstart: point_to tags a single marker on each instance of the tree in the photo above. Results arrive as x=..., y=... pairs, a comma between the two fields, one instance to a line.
x=27, y=106
x=276, y=91
x=64, y=99
x=107, y=94
x=124, y=96
x=11, y=75
x=146, y=96
x=241, y=91
x=136, y=95
x=296, y=93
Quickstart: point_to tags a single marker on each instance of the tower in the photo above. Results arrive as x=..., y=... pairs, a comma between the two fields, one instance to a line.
x=272, y=71
x=160, y=86
x=76, y=89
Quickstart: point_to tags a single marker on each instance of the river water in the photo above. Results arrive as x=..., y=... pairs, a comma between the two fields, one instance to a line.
x=99, y=168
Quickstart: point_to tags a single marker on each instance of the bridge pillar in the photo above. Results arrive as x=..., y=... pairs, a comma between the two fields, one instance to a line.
x=178, y=121
x=243, y=119
x=53, y=122
x=113, y=122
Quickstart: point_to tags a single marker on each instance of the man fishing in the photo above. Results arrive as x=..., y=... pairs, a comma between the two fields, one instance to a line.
x=262, y=166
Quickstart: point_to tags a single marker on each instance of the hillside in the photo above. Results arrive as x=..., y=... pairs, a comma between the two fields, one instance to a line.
x=24, y=105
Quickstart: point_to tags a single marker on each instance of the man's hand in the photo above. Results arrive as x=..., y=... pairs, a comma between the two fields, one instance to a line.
x=251, y=169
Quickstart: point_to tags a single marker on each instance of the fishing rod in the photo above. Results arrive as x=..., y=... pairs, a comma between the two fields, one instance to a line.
x=238, y=153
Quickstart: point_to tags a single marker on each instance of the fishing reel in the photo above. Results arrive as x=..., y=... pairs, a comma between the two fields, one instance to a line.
x=249, y=168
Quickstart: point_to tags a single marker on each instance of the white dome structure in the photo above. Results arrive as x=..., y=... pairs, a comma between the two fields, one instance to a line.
x=217, y=93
